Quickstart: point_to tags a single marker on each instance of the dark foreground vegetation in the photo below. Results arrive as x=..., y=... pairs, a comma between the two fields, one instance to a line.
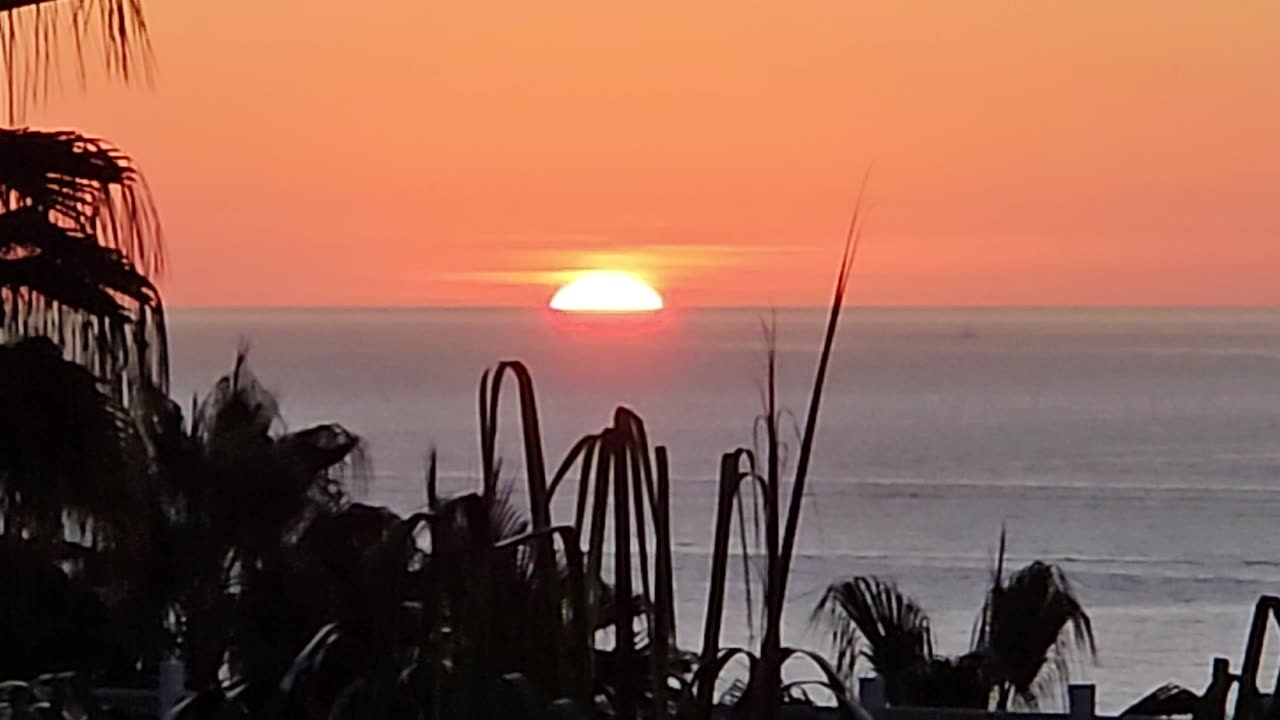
x=133, y=533
x=1023, y=640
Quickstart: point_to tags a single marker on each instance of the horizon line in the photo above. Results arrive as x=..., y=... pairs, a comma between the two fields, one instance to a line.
x=696, y=308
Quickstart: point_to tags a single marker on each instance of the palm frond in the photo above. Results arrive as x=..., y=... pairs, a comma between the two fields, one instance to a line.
x=85, y=185
x=79, y=237
x=893, y=627
x=329, y=452
x=47, y=265
x=238, y=404
x=265, y=485
x=506, y=518
x=29, y=233
x=1034, y=624
x=32, y=33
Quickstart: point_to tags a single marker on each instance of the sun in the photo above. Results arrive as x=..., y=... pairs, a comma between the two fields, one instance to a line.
x=607, y=291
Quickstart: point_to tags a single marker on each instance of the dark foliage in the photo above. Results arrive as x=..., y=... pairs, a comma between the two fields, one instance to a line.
x=235, y=493
x=78, y=237
x=70, y=460
x=34, y=32
x=49, y=621
x=1032, y=623
x=897, y=639
x=1026, y=634
x=872, y=618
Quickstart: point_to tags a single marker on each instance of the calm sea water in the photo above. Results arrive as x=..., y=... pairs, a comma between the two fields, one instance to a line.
x=1140, y=449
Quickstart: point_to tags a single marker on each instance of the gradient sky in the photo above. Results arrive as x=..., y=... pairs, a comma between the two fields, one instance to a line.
x=429, y=152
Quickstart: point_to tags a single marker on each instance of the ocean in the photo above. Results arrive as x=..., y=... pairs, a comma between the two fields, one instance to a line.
x=1137, y=448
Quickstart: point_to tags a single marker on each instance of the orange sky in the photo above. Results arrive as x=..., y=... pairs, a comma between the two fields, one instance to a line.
x=425, y=152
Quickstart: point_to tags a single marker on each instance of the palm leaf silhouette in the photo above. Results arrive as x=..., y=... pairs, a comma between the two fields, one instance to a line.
x=32, y=33
x=237, y=490
x=267, y=483
x=85, y=185
x=894, y=629
x=78, y=238
x=1030, y=627
x=1030, y=623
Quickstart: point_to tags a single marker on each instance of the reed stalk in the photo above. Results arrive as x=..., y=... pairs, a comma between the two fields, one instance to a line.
x=767, y=699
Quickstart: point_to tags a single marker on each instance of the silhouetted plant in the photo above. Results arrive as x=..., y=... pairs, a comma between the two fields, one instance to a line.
x=1031, y=624
x=37, y=32
x=1024, y=637
x=235, y=491
x=765, y=693
x=79, y=235
x=898, y=639
x=71, y=462
x=50, y=620
x=411, y=633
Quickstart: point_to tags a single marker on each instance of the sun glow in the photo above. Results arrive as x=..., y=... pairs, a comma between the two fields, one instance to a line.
x=607, y=291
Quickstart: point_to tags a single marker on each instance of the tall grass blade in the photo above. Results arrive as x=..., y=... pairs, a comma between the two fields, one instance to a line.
x=815, y=398
x=765, y=698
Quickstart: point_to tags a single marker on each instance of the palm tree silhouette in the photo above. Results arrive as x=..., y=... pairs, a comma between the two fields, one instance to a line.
x=79, y=235
x=232, y=491
x=81, y=329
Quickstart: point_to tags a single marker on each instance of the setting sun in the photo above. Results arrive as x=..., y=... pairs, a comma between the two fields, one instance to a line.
x=607, y=291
